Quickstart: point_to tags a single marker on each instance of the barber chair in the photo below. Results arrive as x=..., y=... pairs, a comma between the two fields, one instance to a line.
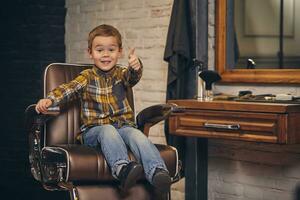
x=59, y=161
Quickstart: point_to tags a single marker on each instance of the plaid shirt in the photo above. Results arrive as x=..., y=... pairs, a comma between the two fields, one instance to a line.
x=102, y=95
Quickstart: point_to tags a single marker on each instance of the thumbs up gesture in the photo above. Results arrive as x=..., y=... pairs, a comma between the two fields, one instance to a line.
x=133, y=60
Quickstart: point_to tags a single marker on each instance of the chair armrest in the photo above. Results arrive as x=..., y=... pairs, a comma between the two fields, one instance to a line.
x=34, y=118
x=152, y=115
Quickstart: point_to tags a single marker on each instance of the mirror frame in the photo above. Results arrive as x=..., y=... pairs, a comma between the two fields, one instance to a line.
x=274, y=76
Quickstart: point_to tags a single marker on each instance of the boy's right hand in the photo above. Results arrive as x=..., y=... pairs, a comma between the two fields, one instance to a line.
x=42, y=105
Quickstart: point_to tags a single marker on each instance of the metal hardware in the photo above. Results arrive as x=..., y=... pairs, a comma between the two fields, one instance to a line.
x=222, y=126
x=53, y=111
x=179, y=175
x=34, y=125
x=34, y=152
x=74, y=194
x=61, y=168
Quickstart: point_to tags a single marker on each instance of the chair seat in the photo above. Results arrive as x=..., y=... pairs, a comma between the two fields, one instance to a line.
x=83, y=163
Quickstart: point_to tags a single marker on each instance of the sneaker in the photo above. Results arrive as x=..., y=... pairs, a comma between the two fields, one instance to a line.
x=129, y=174
x=161, y=180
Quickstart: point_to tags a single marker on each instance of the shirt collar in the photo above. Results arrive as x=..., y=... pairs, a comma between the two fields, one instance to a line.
x=100, y=72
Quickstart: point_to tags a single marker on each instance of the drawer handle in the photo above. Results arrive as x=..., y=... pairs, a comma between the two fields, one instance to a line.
x=222, y=126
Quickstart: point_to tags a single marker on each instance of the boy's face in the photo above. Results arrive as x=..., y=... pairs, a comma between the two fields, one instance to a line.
x=105, y=52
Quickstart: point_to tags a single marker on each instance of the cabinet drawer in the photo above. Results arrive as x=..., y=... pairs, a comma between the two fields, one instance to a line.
x=265, y=127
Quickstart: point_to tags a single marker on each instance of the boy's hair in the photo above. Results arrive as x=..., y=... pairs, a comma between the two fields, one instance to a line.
x=104, y=30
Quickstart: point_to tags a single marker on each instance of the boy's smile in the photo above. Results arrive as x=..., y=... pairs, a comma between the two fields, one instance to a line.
x=105, y=52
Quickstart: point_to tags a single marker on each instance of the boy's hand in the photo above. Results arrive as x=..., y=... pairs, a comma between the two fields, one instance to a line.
x=133, y=60
x=42, y=105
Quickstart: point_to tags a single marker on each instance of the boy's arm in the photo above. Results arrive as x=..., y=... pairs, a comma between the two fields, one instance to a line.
x=68, y=91
x=134, y=72
x=132, y=76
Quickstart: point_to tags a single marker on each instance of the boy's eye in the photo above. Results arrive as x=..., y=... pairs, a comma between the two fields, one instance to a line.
x=109, y=49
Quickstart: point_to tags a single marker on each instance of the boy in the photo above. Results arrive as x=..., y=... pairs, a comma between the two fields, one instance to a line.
x=108, y=120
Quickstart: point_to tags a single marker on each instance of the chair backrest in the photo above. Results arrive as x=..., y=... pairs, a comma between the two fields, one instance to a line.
x=65, y=127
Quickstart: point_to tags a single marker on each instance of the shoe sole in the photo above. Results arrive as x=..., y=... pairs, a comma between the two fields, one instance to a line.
x=133, y=176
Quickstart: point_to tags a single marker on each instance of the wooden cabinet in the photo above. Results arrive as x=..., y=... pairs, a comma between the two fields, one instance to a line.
x=247, y=121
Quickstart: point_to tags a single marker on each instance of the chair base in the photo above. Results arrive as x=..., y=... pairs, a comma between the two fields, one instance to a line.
x=141, y=191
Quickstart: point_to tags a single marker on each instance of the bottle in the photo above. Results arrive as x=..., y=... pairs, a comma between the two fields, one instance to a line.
x=208, y=95
x=201, y=89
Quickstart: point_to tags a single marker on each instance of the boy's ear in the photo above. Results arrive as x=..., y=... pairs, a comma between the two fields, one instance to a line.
x=121, y=53
x=89, y=52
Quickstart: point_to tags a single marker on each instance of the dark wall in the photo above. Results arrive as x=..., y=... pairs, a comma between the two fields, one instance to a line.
x=31, y=37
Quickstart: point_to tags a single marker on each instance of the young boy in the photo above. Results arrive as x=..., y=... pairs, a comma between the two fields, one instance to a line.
x=107, y=118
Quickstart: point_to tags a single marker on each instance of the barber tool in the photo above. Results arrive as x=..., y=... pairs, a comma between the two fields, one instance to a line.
x=209, y=77
x=245, y=92
x=251, y=64
x=200, y=66
x=284, y=97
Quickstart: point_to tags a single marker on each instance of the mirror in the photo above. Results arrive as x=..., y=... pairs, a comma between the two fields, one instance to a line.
x=233, y=51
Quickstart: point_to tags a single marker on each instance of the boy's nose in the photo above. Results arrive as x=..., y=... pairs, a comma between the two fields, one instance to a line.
x=105, y=53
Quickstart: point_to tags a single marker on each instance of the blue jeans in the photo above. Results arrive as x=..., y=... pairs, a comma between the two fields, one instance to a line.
x=113, y=141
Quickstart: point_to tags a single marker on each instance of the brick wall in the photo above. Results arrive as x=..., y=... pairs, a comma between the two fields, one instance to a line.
x=245, y=170
x=31, y=36
x=248, y=170
x=143, y=25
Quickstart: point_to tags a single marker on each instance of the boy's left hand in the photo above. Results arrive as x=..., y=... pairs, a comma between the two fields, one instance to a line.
x=133, y=60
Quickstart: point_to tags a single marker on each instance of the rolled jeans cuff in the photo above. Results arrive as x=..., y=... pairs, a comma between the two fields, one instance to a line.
x=117, y=164
x=152, y=171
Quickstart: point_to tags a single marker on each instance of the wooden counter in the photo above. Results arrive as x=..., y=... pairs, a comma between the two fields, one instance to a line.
x=246, y=121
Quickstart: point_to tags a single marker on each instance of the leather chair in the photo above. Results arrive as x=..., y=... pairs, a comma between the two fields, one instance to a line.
x=60, y=162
